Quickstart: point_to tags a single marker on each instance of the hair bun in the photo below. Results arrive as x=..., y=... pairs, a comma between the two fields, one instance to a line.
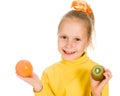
x=81, y=5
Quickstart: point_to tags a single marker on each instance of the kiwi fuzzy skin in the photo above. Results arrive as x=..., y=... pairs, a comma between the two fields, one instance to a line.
x=97, y=72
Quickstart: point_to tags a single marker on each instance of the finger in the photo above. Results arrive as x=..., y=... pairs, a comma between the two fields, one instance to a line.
x=108, y=76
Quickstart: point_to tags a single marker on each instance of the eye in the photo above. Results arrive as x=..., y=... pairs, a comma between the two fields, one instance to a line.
x=77, y=39
x=63, y=37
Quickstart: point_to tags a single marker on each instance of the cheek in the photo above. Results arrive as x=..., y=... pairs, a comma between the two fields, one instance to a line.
x=84, y=46
x=61, y=43
x=81, y=46
x=60, y=46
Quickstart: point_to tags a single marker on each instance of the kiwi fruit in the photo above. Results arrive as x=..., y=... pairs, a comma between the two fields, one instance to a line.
x=97, y=72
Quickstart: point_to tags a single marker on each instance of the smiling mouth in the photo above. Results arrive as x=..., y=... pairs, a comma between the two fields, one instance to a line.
x=68, y=52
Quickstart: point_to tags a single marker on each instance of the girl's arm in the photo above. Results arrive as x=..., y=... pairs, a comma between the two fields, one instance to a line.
x=97, y=86
x=33, y=81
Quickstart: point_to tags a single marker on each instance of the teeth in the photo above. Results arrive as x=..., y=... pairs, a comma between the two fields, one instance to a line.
x=69, y=52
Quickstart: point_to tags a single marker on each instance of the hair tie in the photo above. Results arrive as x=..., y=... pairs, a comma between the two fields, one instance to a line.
x=80, y=5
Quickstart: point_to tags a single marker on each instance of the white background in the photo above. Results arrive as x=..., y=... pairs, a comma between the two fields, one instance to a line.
x=28, y=30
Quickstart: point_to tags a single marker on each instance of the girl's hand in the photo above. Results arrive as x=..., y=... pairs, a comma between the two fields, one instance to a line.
x=33, y=80
x=97, y=86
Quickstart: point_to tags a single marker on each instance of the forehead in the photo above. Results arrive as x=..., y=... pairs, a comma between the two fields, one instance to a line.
x=73, y=27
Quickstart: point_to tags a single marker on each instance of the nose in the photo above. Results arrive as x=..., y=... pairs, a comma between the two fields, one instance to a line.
x=69, y=44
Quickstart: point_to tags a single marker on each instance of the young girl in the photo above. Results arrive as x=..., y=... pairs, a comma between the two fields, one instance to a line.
x=71, y=76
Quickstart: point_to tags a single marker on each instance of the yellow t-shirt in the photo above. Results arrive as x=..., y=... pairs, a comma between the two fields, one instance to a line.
x=68, y=78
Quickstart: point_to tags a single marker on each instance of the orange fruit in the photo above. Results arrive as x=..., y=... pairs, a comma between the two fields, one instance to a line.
x=24, y=68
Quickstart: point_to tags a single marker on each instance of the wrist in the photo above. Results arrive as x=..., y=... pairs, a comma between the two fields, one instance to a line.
x=95, y=94
x=37, y=87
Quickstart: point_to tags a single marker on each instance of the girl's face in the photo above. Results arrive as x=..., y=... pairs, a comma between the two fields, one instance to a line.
x=72, y=39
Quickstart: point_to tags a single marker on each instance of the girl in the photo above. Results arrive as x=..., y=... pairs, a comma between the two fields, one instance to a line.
x=71, y=75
